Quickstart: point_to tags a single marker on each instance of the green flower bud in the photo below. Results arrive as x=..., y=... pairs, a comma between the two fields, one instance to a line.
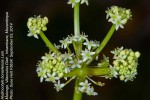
x=39, y=23
x=121, y=66
x=130, y=66
x=118, y=16
x=130, y=58
x=121, y=77
x=29, y=24
x=30, y=20
x=132, y=54
x=117, y=68
x=137, y=54
x=115, y=63
x=54, y=69
x=122, y=52
x=34, y=21
x=130, y=61
x=38, y=31
x=44, y=22
x=54, y=62
x=128, y=72
x=126, y=66
x=44, y=28
x=125, y=63
x=46, y=19
x=60, y=74
x=36, y=25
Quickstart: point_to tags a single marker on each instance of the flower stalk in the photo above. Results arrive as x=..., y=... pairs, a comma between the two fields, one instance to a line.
x=78, y=48
x=76, y=20
x=103, y=44
x=48, y=43
x=77, y=94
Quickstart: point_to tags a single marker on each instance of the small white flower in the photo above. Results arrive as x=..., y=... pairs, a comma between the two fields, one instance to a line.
x=46, y=57
x=89, y=44
x=86, y=88
x=57, y=46
x=41, y=73
x=118, y=23
x=31, y=34
x=76, y=63
x=67, y=69
x=86, y=55
x=120, y=58
x=67, y=56
x=97, y=43
x=73, y=2
x=113, y=72
x=83, y=37
x=116, y=51
x=83, y=86
x=90, y=91
x=65, y=43
x=52, y=77
x=58, y=86
x=73, y=38
x=85, y=1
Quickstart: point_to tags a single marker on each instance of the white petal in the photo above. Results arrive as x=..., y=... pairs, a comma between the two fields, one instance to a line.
x=29, y=34
x=35, y=35
x=41, y=79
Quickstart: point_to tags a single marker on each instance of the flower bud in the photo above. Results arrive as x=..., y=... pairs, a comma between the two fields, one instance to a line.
x=127, y=62
x=36, y=25
x=137, y=54
x=44, y=28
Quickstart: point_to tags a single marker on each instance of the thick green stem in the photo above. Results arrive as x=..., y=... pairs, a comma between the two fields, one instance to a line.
x=90, y=71
x=97, y=71
x=77, y=47
x=77, y=44
x=77, y=94
x=48, y=43
x=76, y=20
x=103, y=44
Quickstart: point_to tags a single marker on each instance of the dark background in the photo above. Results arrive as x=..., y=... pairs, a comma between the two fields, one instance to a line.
x=27, y=51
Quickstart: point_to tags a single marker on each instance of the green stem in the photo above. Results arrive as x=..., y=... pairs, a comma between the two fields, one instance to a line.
x=78, y=44
x=48, y=43
x=77, y=47
x=103, y=44
x=90, y=71
x=77, y=94
x=69, y=81
x=76, y=20
x=97, y=71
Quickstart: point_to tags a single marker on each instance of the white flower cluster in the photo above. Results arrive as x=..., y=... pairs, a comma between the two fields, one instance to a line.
x=59, y=86
x=90, y=46
x=70, y=39
x=73, y=2
x=54, y=65
x=125, y=64
x=51, y=68
x=86, y=88
x=71, y=61
x=118, y=16
x=36, y=25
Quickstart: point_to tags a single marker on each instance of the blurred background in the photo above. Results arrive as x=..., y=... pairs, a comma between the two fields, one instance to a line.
x=27, y=51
